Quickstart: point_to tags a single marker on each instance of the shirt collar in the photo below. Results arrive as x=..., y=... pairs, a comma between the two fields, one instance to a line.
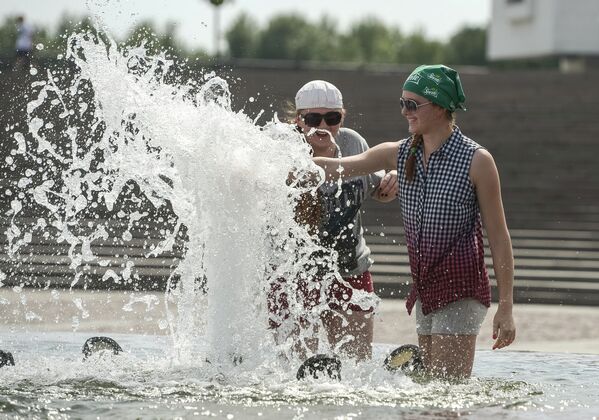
x=450, y=146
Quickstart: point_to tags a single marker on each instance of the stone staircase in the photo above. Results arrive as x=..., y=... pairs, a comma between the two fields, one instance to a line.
x=550, y=266
x=45, y=261
x=541, y=127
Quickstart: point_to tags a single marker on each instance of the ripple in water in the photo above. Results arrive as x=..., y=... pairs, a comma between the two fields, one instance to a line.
x=141, y=380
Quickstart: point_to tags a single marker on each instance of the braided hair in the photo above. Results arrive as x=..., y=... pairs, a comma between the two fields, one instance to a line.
x=411, y=161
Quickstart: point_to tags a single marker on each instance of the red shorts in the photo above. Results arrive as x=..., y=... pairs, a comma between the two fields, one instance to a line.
x=337, y=294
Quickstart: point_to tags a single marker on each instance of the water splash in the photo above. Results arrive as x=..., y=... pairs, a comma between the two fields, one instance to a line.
x=124, y=151
x=54, y=377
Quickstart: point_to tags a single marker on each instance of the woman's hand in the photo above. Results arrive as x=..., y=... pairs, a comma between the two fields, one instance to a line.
x=504, y=327
x=388, y=188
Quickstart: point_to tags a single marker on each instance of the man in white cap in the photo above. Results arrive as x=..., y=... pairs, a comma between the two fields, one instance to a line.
x=319, y=115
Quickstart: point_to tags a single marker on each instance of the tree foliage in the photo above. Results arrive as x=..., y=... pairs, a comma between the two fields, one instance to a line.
x=146, y=34
x=370, y=41
x=415, y=48
x=242, y=37
x=48, y=45
x=286, y=36
x=467, y=46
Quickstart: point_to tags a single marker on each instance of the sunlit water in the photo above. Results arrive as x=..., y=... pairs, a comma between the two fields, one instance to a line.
x=51, y=378
x=120, y=116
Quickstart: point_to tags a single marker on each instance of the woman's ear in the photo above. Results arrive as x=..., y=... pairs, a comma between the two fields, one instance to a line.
x=441, y=112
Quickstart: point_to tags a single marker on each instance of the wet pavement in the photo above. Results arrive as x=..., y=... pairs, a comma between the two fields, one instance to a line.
x=549, y=328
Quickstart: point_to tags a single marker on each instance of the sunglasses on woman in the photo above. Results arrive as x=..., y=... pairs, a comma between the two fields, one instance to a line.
x=411, y=105
x=313, y=119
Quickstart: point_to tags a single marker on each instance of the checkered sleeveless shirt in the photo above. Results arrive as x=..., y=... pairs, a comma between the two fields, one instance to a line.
x=443, y=226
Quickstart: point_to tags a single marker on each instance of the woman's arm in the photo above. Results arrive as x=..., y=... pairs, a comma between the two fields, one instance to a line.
x=485, y=178
x=381, y=156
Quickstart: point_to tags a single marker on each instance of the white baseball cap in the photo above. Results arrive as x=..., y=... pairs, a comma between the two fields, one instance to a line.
x=318, y=94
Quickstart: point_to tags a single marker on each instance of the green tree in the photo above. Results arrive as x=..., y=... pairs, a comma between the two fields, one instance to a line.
x=8, y=36
x=154, y=41
x=55, y=43
x=467, y=46
x=70, y=24
x=371, y=41
x=242, y=37
x=284, y=37
x=322, y=41
x=417, y=49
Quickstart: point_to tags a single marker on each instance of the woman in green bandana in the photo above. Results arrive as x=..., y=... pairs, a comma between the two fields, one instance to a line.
x=448, y=188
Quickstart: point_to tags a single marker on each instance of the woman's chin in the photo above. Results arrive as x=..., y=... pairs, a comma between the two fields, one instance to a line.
x=413, y=129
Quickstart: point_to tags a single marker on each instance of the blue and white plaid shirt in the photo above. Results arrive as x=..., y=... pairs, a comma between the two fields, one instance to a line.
x=443, y=225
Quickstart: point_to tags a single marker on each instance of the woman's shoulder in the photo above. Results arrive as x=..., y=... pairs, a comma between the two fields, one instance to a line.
x=467, y=142
x=404, y=144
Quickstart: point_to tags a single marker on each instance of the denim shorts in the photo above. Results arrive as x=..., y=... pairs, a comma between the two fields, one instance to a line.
x=337, y=295
x=463, y=317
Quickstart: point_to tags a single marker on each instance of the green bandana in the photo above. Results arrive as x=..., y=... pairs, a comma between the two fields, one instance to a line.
x=439, y=84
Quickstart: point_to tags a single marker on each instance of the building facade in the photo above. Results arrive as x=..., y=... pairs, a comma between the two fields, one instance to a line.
x=525, y=29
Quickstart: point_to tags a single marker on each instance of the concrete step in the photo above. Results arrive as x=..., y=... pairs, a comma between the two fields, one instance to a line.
x=403, y=271
x=548, y=244
x=93, y=281
x=520, y=262
x=515, y=233
x=570, y=293
x=108, y=261
x=161, y=270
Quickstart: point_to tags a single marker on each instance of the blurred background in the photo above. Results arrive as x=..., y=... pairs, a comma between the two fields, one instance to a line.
x=530, y=70
x=334, y=31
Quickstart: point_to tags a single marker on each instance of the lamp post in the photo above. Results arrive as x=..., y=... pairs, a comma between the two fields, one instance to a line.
x=217, y=4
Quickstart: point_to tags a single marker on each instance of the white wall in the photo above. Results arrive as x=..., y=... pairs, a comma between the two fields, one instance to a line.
x=536, y=28
x=577, y=27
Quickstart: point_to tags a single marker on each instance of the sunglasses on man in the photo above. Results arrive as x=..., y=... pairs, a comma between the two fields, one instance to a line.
x=313, y=119
x=411, y=105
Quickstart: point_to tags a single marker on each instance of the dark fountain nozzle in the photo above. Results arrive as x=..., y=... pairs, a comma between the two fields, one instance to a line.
x=320, y=366
x=96, y=344
x=407, y=358
x=6, y=359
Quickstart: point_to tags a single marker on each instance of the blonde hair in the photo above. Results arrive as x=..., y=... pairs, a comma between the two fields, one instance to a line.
x=289, y=112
